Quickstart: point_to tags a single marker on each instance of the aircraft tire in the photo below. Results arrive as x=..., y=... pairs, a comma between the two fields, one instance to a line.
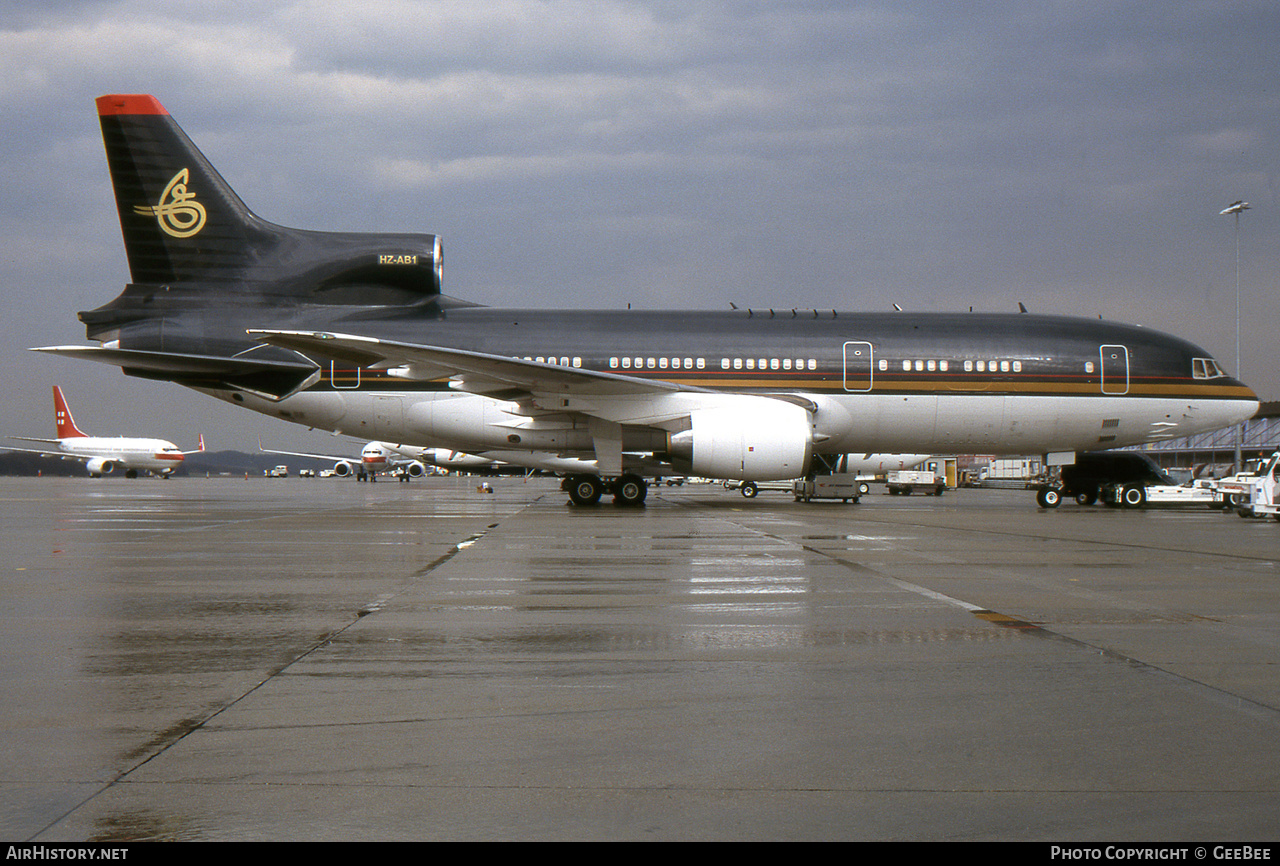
x=585, y=490
x=1049, y=497
x=630, y=490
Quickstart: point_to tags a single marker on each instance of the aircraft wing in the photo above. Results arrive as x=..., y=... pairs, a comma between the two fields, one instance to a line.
x=606, y=400
x=539, y=387
x=474, y=372
x=335, y=457
x=64, y=454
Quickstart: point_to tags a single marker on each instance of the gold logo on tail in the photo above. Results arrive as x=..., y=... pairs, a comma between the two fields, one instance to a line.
x=178, y=213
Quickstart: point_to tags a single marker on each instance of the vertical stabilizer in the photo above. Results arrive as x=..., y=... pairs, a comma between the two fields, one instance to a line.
x=67, y=428
x=181, y=221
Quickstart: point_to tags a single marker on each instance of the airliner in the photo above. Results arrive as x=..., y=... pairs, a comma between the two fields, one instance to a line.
x=102, y=454
x=405, y=461
x=351, y=333
x=411, y=461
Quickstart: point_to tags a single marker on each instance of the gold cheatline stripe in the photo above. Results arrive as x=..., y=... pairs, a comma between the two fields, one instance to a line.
x=993, y=387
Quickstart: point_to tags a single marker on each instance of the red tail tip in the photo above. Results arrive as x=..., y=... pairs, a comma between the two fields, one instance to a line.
x=129, y=103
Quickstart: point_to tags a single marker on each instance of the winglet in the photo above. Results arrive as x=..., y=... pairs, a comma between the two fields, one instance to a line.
x=62, y=417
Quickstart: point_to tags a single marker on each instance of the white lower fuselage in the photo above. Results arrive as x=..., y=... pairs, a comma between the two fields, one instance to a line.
x=855, y=423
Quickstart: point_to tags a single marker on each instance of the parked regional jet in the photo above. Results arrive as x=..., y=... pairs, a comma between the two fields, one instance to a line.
x=102, y=454
x=351, y=333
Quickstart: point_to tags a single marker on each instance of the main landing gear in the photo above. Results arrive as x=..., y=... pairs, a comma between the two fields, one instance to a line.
x=587, y=489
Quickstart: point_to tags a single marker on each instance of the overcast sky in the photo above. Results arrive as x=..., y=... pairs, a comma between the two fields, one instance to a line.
x=1071, y=156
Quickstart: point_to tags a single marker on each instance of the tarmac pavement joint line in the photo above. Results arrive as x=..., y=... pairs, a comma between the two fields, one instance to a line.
x=176, y=733
x=1254, y=709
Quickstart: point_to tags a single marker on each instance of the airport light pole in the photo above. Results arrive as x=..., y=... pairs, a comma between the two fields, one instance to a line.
x=1236, y=208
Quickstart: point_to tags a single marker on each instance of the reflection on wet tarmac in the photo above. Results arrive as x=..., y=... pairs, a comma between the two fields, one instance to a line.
x=230, y=659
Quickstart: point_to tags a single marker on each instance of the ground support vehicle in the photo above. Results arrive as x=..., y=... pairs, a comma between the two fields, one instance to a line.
x=1161, y=495
x=1114, y=478
x=905, y=481
x=1014, y=473
x=1236, y=490
x=846, y=487
x=1262, y=497
x=751, y=489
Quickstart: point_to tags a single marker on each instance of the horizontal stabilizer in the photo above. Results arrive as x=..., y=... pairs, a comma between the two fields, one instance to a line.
x=272, y=380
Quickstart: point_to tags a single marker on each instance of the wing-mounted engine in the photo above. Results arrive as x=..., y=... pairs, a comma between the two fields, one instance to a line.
x=747, y=438
x=343, y=469
x=99, y=466
x=414, y=469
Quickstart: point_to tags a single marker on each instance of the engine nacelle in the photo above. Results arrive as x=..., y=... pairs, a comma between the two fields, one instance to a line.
x=749, y=439
x=99, y=466
x=415, y=469
x=342, y=469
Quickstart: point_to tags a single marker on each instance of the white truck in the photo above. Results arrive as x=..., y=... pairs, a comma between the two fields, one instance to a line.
x=280, y=471
x=1256, y=495
x=935, y=476
x=903, y=482
x=1234, y=490
x=1018, y=472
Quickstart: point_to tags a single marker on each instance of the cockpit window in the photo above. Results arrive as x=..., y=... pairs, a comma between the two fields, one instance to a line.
x=1206, y=368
